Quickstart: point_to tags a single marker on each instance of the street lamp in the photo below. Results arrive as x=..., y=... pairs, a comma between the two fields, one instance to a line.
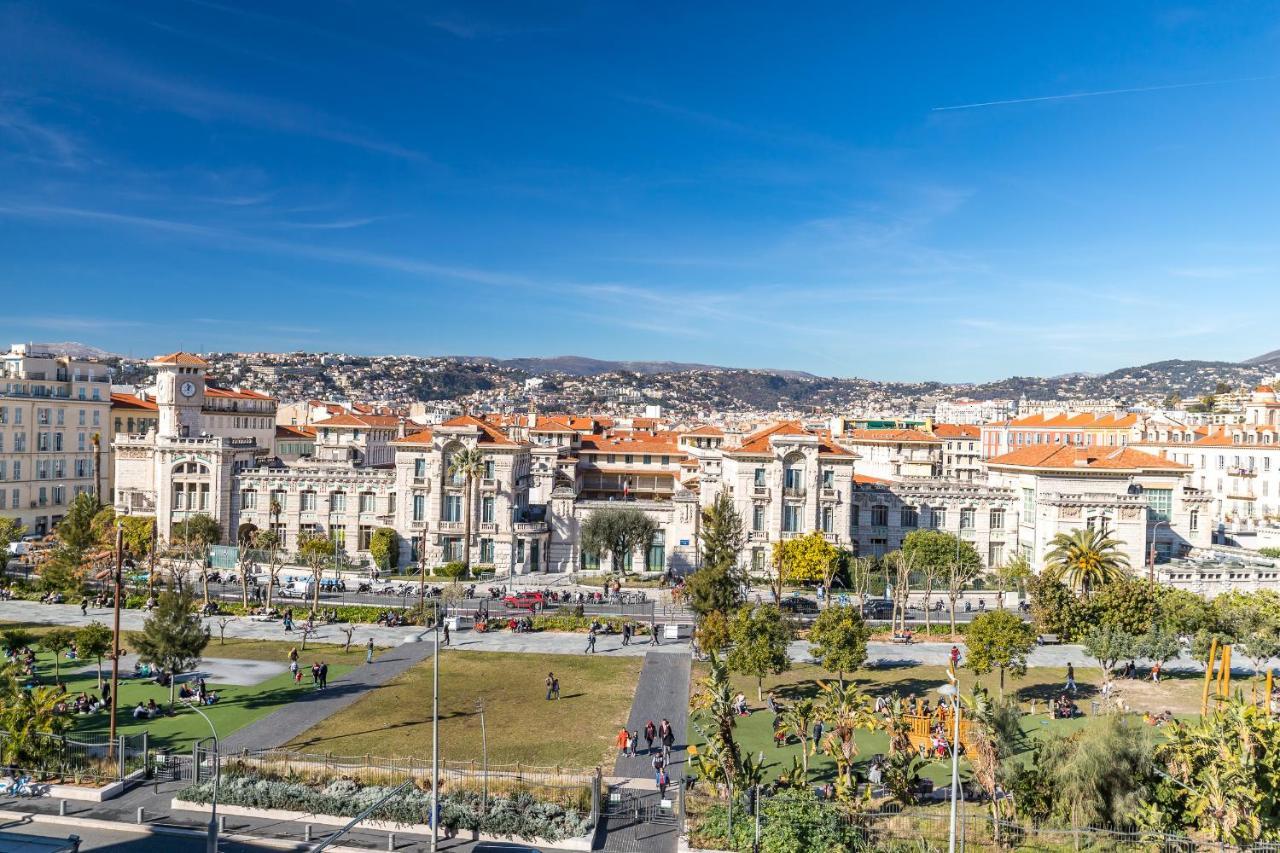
x=211, y=845
x=950, y=691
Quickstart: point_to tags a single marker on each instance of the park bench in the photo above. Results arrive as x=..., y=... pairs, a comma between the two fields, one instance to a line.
x=901, y=639
x=1049, y=640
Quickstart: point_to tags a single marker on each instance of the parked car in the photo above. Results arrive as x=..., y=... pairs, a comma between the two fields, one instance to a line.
x=525, y=600
x=877, y=608
x=798, y=605
x=294, y=590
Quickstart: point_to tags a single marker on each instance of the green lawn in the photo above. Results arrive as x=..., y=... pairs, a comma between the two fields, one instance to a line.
x=236, y=708
x=522, y=726
x=755, y=733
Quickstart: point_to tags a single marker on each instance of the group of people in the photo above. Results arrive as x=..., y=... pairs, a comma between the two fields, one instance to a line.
x=200, y=693
x=148, y=711
x=628, y=742
x=319, y=669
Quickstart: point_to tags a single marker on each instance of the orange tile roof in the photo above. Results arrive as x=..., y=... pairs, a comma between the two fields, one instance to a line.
x=346, y=419
x=957, y=430
x=1064, y=457
x=240, y=394
x=706, y=429
x=182, y=359
x=867, y=479
x=1077, y=420
x=758, y=442
x=422, y=437
x=663, y=443
x=551, y=424
x=891, y=436
x=130, y=401
x=489, y=434
x=1225, y=437
x=296, y=432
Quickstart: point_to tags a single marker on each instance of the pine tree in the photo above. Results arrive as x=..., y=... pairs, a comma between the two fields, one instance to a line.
x=172, y=637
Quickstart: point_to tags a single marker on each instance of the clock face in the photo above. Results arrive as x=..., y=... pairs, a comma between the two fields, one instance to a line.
x=188, y=389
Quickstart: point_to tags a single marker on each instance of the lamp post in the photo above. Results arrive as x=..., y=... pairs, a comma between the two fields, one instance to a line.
x=211, y=846
x=950, y=691
x=435, y=731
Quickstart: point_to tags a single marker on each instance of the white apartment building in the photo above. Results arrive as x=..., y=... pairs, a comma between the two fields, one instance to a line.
x=51, y=409
x=961, y=451
x=972, y=412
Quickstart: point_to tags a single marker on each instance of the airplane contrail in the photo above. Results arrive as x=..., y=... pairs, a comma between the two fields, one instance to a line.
x=1104, y=92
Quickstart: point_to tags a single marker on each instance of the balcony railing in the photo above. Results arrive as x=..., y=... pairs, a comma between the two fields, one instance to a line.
x=758, y=536
x=487, y=527
x=760, y=492
x=830, y=493
x=488, y=484
x=529, y=527
x=793, y=491
x=451, y=526
x=1242, y=472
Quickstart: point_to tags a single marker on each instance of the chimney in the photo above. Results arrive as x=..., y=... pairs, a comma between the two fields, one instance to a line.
x=400, y=428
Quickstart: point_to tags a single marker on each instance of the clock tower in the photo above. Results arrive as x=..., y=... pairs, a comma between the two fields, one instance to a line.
x=180, y=380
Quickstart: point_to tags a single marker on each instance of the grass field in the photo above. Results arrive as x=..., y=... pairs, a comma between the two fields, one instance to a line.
x=577, y=730
x=237, y=706
x=755, y=733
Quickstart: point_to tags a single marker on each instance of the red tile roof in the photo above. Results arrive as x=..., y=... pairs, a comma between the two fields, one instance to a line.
x=346, y=419
x=758, y=442
x=889, y=436
x=1063, y=457
x=182, y=359
x=235, y=394
x=304, y=433
x=488, y=433
x=957, y=430
x=423, y=437
x=130, y=401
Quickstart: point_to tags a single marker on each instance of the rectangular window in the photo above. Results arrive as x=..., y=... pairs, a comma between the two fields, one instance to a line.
x=520, y=551
x=366, y=501
x=792, y=518
x=1028, y=503
x=828, y=479
x=757, y=517
x=338, y=533
x=279, y=499
x=757, y=559
x=1194, y=522
x=910, y=516
x=879, y=516
x=828, y=519
x=452, y=508
x=365, y=534
x=938, y=517
x=420, y=467
x=488, y=470
x=486, y=510
x=655, y=559
x=248, y=499
x=337, y=502
x=648, y=459
x=453, y=549
x=486, y=550
x=759, y=480
x=419, y=507
x=1159, y=503
x=997, y=518
x=307, y=501
x=666, y=460
x=968, y=518
x=995, y=554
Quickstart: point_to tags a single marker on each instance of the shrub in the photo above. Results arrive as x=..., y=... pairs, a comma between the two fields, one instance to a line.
x=456, y=569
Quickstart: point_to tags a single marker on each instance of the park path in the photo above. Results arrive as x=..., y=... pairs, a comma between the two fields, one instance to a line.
x=662, y=692
x=313, y=707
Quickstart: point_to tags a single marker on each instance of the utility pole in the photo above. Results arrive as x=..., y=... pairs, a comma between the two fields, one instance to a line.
x=117, y=583
x=435, y=729
x=422, y=581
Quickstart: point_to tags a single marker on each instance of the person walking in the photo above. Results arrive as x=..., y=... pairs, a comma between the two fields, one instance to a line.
x=324, y=675
x=446, y=633
x=84, y=606
x=653, y=638
x=368, y=651
x=818, y=729
x=626, y=633
x=955, y=656
x=621, y=740
x=634, y=742
x=591, y=641
x=650, y=733
x=668, y=736
x=551, y=680
x=1071, y=678
x=555, y=687
x=315, y=673
x=659, y=770
x=297, y=673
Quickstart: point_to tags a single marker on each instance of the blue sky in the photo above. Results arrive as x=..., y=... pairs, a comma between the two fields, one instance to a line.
x=764, y=185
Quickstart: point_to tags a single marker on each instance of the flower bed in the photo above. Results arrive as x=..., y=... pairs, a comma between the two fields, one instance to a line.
x=517, y=815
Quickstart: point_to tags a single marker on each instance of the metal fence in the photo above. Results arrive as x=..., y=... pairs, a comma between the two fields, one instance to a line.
x=567, y=787
x=83, y=758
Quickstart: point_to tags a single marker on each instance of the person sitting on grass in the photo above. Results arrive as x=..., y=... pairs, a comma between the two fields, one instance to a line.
x=140, y=711
x=153, y=710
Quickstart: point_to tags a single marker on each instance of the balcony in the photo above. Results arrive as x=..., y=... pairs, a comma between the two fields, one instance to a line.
x=831, y=537
x=791, y=534
x=760, y=492
x=530, y=527
x=793, y=491
x=830, y=493
x=1242, y=472
x=489, y=484
x=758, y=536
x=487, y=527
x=451, y=527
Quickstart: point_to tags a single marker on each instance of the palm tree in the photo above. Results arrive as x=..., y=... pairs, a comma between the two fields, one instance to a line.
x=799, y=718
x=846, y=709
x=1084, y=559
x=468, y=464
x=715, y=701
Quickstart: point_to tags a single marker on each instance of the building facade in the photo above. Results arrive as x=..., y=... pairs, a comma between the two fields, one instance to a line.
x=55, y=417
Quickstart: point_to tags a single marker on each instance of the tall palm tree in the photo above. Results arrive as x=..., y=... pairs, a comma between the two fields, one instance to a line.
x=799, y=717
x=468, y=464
x=845, y=709
x=1085, y=559
x=714, y=704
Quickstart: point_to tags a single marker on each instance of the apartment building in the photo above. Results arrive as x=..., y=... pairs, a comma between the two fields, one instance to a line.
x=54, y=413
x=961, y=451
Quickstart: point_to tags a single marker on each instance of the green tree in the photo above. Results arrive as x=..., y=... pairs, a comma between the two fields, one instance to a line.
x=77, y=545
x=10, y=531
x=1252, y=620
x=950, y=558
x=616, y=532
x=267, y=543
x=1184, y=613
x=94, y=641
x=1159, y=644
x=798, y=718
x=139, y=531
x=467, y=465
x=384, y=547
x=195, y=535
x=1000, y=640
x=838, y=640
x=316, y=551
x=76, y=530
x=804, y=559
x=760, y=636
x=55, y=641
x=719, y=583
x=1108, y=645
x=172, y=637
x=1085, y=559
x=713, y=632
x=1129, y=603
x=1055, y=609
x=14, y=640
x=1011, y=575
x=27, y=717
x=714, y=719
